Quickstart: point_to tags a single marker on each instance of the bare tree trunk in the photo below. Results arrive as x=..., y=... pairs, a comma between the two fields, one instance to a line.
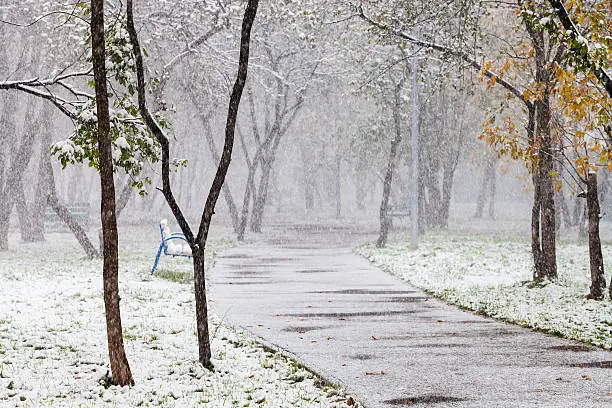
x=548, y=230
x=122, y=201
x=37, y=211
x=64, y=214
x=547, y=268
x=487, y=176
x=13, y=193
x=197, y=243
x=564, y=210
x=262, y=196
x=598, y=281
x=447, y=189
x=7, y=138
x=385, y=222
x=122, y=375
x=32, y=128
x=124, y=197
x=214, y=153
x=23, y=213
x=201, y=307
x=492, y=188
x=338, y=186
x=248, y=192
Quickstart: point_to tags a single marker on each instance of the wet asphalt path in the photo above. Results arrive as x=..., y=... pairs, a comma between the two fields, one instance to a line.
x=389, y=343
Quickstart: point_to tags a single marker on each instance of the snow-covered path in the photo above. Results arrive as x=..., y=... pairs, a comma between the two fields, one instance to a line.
x=388, y=342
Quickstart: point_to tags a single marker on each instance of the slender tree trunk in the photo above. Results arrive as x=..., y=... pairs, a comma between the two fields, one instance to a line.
x=582, y=220
x=338, y=186
x=124, y=197
x=227, y=193
x=262, y=196
x=7, y=138
x=23, y=213
x=64, y=214
x=32, y=128
x=598, y=282
x=487, y=176
x=42, y=191
x=248, y=192
x=548, y=229
x=122, y=201
x=43, y=186
x=564, y=210
x=536, y=249
x=447, y=189
x=492, y=188
x=542, y=138
x=204, y=350
x=385, y=221
x=122, y=375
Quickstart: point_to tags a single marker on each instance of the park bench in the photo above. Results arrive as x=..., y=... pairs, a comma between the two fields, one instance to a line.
x=398, y=211
x=172, y=244
x=79, y=212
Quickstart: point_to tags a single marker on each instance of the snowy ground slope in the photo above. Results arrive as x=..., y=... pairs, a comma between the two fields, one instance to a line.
x=53, y=343
x=488, y=275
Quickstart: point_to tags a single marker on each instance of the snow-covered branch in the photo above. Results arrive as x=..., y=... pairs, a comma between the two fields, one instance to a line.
x=444, y=49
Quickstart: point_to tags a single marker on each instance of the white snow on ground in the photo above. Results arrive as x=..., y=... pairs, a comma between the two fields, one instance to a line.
x=53, y=339
x=490, y=275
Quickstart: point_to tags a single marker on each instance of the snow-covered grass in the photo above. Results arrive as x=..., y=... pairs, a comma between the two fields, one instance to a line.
x=491, y=275
x=53, y=339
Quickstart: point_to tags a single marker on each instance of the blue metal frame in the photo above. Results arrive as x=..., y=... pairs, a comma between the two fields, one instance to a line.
x=164, y=246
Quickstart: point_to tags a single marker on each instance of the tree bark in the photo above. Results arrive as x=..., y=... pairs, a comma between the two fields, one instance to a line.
x=199, y=281
x=547, y=192
x=598, y=282
x=121, y=373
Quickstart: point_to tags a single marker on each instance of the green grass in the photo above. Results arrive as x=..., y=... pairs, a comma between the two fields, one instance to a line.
x=174, y=276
